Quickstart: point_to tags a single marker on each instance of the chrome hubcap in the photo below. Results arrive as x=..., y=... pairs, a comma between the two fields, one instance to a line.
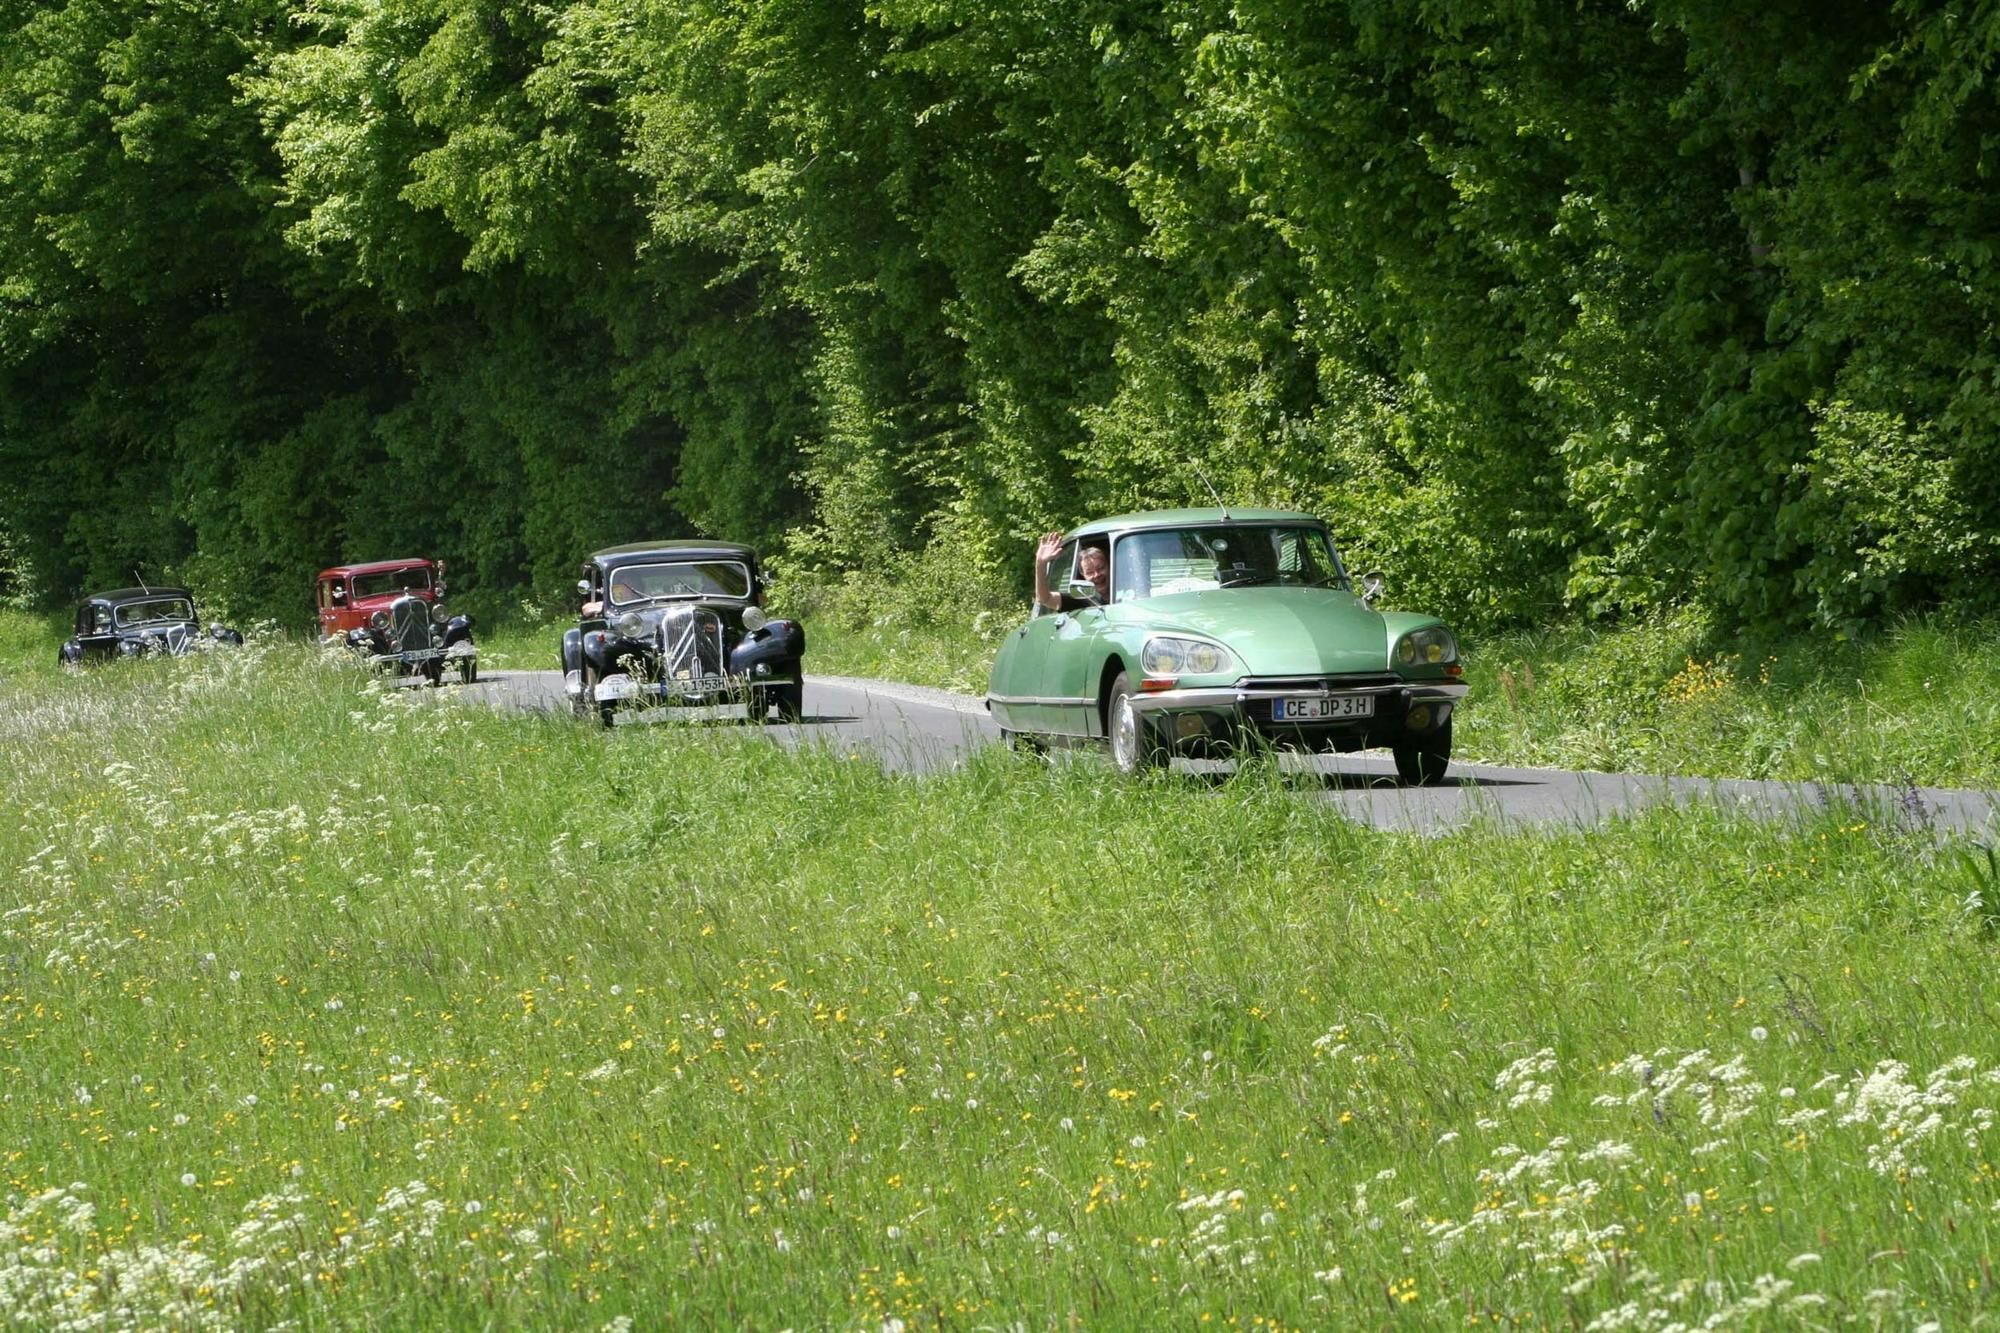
x=1124, y=734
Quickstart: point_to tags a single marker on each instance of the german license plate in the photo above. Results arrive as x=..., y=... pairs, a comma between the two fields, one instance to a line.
x=1323, y=708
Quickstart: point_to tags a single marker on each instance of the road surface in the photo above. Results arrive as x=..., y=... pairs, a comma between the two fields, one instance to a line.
x=916, y=729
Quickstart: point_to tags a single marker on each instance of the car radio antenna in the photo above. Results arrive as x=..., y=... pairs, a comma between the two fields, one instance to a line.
x=1211, y=491
x=138, y=579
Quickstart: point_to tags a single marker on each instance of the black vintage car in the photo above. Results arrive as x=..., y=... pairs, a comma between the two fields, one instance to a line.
x=140, y=622
x=680, y=622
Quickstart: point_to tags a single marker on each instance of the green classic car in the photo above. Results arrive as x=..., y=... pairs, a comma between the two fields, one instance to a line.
x=1217, y=630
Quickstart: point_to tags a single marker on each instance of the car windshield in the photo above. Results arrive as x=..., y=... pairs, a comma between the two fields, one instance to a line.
x=1163, y=561
x=703, y=578
x=158, y=611
x=392, y=580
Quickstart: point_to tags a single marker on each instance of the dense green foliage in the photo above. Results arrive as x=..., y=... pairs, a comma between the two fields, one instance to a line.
x=342, y=1007
x=1610, y=306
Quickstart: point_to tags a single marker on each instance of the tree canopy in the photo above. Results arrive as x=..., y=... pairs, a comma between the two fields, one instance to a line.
x=1543, y=305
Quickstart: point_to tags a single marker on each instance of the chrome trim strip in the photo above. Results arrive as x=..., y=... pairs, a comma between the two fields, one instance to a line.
x=1040, y=700
x=1228, y=696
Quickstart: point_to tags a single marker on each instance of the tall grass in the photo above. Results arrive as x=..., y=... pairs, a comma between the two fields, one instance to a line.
x=1920, y=702
x=361, y=1007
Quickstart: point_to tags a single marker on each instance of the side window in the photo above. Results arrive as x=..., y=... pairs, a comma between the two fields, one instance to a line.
x=1290, y=559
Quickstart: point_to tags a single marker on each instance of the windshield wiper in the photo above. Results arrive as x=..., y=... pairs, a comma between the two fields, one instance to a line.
x=1246, y=580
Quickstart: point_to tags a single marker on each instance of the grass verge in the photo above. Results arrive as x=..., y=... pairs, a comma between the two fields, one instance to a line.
x=362, y=1007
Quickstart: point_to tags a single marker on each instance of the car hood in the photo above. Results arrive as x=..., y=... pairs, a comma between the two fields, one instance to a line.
x=1277, y=631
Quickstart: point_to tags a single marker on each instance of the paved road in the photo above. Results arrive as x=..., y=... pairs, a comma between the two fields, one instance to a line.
x=917, y=729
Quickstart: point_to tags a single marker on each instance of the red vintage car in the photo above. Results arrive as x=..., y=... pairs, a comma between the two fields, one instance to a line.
x=392, y=611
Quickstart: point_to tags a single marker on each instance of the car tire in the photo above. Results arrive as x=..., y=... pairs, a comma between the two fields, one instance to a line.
x=585, y=705
x=468, y=670
x=1133, y=749
x=790, y=701
x=1423, y=761
x=433, y=673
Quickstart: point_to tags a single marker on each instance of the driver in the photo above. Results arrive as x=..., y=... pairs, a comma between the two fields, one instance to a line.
x=623, y=589
x=1093, y=562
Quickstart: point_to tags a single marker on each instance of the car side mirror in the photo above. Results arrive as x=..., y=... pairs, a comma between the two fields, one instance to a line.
x=1083, y=590
x=583, y=589
x=339, y=594
x=1371, y=586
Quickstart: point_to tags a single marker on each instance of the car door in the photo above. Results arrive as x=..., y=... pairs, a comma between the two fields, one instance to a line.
x=1072, y=664
x=329, y=611
x=1018, y=667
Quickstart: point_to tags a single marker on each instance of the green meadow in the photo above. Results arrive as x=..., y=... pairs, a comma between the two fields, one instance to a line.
x=336, y=1006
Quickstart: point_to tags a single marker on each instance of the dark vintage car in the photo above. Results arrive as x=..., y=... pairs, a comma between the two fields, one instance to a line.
x=392, y=612
x=140, y=622
x=680, y=622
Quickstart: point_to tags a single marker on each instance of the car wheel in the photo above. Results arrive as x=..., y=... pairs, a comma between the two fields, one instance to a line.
x=583, y=704
x=468, y=670
x=1422, y=762
x=1133, y=748
x=790, y=701
x=433, y=673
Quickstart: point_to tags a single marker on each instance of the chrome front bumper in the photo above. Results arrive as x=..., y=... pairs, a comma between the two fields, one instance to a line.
x=622, y=687
x=1237, y=698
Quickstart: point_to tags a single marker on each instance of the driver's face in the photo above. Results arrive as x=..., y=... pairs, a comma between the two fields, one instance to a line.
x=1092, y=563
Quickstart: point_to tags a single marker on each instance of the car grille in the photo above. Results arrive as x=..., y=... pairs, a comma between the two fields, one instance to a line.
x=690, y=644
x=409, y=624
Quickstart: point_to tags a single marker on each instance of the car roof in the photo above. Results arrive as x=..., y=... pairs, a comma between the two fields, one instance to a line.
x=116, y=595
x=678, y=546
x=1181, y=518
x=378, y=566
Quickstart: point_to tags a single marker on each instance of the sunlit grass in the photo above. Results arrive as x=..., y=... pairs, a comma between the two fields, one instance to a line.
x=360, y=1007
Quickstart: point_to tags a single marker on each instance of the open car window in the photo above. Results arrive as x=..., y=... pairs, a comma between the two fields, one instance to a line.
x=159, y=610
x=679, y=579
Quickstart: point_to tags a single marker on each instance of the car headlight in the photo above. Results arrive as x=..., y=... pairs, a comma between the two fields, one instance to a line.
x=1167, y=656
x=1427, y=647
x=629, y=623
x=754, y=619
x=438, y=614
x=380, y=620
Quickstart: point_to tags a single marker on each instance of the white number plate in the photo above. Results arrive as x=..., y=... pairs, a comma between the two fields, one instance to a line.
x=1327, y=708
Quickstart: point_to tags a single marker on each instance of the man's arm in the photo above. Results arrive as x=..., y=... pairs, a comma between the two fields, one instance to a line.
x=1046, y=550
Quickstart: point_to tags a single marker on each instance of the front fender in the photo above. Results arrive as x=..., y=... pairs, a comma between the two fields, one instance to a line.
x=458, y=630
x=601, y=650
x=70, y=654
x=572, y=650
x=779, y=641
